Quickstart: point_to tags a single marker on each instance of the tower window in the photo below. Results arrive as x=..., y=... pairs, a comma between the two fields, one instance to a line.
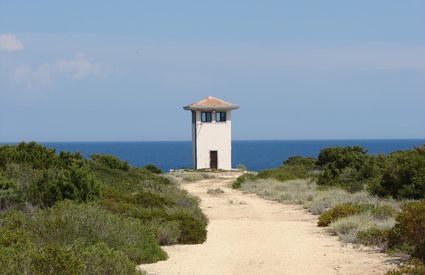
x=220, y=116
x=206, y=116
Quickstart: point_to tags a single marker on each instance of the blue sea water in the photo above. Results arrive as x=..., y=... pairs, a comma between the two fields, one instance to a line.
x=255, y=155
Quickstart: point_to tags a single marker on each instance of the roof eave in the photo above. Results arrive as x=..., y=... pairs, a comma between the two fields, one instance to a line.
x=210, y=108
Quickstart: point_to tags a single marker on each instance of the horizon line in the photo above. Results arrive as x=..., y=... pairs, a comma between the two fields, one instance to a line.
x=188, y=140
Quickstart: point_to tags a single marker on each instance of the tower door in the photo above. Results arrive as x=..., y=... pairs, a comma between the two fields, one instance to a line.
x=213, y=160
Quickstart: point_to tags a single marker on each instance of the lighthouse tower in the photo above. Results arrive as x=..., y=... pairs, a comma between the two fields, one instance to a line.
x=211, y=133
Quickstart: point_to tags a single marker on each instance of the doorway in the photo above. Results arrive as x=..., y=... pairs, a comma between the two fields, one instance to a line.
x=213, y=159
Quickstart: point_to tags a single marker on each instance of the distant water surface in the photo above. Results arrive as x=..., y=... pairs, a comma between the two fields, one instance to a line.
x=256, y=155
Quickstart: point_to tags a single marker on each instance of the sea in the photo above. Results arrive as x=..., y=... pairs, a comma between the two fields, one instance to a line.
x=255, y=155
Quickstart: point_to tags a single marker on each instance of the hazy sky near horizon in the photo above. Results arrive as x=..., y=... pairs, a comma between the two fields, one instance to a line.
x=122, y=70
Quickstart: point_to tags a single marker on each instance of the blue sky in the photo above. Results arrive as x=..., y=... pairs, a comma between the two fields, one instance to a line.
x=109, y=70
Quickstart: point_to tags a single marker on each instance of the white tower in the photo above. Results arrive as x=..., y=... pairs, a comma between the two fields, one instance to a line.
x=211, y=133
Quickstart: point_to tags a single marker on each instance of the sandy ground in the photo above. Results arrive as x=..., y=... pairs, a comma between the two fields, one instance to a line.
x=250, y=235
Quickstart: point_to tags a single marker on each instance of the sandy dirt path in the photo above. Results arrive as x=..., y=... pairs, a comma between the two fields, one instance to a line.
x=250, y=235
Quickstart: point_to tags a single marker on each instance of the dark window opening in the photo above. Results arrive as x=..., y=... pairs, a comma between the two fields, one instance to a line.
x=206, y=116
x=220, y=116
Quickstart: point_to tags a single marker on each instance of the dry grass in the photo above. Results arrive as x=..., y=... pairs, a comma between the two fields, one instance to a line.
x=347, y=228
x=192, y=176
x=316, y=201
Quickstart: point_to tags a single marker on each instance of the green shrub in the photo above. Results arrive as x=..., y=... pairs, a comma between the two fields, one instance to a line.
x=110, y=161
x=37, y=156
x=52, y=185
x=286, y=172
x=373, y=237
x=240, y=180
x=409, y=230
x=411, y=267
x=44, y=214
x=33, y=174
x=67, y=222
x=101, y=259
x=302, y=161
x=55, y=259
x=168, y=232
x=193, y=230
x=383, y=212
x=347, y=167
x=403, y=177
x=150, y=199
x=153, y=169
x=333, y=214
x=215, y=191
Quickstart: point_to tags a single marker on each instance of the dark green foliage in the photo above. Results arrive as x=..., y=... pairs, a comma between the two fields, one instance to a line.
x=149, y=199
x=33, y=154
x=16, y=251
x=102, y=215
x=52, y=185
x=153, y=169
x=341, y=157
x=240, y=180
x=54, y=259
x=373, y=237
x=193, y=230
x=286, y=172
x=67, y=222
x=293, y=168
x=101, y=259
x=404, y=176
x=348, y=167
x=31, y=173
x=110, y=161
x=409, y=230
x=303, y=161
x=153, y=199
x=338, y=212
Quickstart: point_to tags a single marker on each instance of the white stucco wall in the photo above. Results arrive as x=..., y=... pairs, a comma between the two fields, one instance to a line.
x=213, y=136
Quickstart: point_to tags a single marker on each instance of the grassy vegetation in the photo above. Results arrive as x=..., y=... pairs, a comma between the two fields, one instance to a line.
x=364, y=199
x=63, y=214
x=215, y=191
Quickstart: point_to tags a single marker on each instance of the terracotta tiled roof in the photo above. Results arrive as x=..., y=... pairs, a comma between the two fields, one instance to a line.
x=212, y=102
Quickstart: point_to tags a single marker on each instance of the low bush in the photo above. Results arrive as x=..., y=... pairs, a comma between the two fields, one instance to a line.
x=373, y=237
x=31, y=174
x=169, y=232
x=68, y=222
x=110, y=161
x=347, y=228
x=153, y=169
x=241, y=179
x=215, y=191
x=192, y=176
x=409, y=231
x=193, y=230
x=301, y=161
x=55, y=259
x=102, y=214
x=383, y=212
x=403, y=176
x=411, y=267
x=101, y=259
x=335, y=213
x=286, y=172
